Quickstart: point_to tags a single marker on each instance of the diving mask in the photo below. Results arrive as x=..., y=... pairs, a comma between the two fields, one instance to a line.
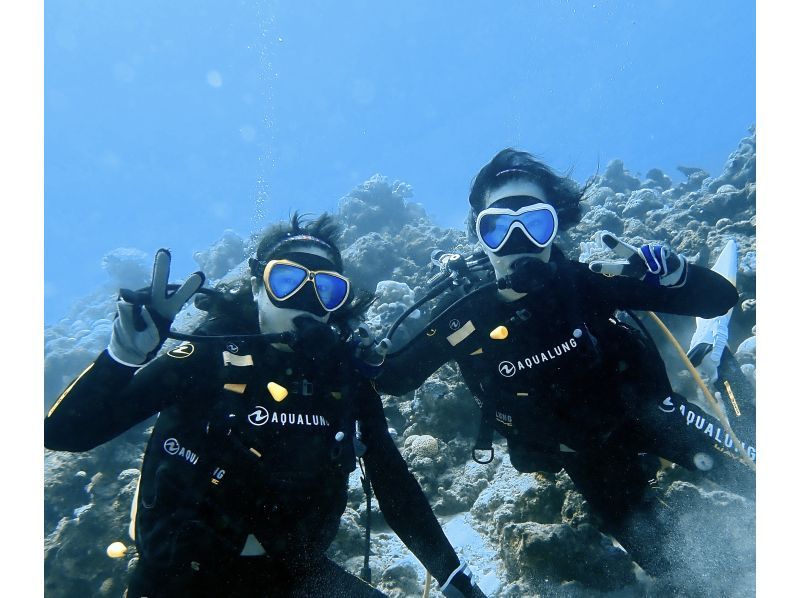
x=284, y=279
x=538, y=222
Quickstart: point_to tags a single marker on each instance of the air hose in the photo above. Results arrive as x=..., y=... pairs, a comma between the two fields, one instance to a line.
x=711, y=398
x=454, y=269
x=427, y=589
x=436, y=290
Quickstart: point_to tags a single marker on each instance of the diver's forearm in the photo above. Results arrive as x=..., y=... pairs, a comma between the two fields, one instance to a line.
x=93, y=408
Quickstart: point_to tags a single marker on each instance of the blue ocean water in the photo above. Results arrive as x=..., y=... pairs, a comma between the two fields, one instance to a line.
x=166, y=123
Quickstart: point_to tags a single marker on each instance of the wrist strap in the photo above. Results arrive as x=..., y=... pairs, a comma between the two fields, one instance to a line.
x=118, y=360
x=461, y=567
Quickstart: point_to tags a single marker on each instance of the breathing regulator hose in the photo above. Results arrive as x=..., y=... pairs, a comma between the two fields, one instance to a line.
x=436, y=290
x=426, y=591
x=453, y=271
x=711, y=398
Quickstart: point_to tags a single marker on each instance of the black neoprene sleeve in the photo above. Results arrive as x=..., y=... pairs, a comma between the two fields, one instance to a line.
x=406, y=370
x=705, y=294
x=107, y=399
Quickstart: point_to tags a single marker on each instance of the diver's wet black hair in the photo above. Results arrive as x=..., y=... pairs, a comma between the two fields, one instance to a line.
x=282, y=237
x=509, y=164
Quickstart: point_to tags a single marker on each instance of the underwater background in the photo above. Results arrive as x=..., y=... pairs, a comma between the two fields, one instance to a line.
x=194, y=125
x=169, y=122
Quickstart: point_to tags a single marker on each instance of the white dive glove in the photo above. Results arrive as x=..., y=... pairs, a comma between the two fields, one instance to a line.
x=652, y=263
x=144, y=317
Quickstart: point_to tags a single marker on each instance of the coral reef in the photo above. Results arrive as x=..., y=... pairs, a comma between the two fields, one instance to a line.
x=523, y=534
x=222, y=256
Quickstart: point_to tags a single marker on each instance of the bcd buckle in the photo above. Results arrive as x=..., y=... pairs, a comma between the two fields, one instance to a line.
x=475, y=458
x=304, y=388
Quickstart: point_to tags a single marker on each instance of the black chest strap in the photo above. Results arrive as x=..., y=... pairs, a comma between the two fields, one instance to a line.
x=488, y=405
x=485, y=436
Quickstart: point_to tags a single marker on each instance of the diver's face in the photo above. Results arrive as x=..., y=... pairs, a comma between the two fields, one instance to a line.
x=515, y=195
x=278, y=316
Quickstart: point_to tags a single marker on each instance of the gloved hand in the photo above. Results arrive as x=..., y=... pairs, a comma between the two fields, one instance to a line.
x=652, y=263
x=461, y=585
x=144, y=317
x=529, y=275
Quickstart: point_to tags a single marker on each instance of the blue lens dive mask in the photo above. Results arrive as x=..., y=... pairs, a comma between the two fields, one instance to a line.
x=284, y=279
x=538, y=222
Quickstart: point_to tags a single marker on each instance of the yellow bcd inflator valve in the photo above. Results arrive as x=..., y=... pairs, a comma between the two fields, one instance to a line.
x=277, y=391
x=116, y=550
x=499, y=334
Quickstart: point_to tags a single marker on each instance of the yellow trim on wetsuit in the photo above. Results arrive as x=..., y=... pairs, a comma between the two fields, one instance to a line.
x=736, y=409
x=134, y=509
x=69, y=388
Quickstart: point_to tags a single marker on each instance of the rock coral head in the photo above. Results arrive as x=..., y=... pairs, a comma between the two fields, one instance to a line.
x=423, y=446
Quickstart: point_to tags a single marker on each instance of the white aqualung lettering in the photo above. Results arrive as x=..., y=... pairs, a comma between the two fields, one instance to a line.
x=296, y=419
x=173, y=447
x=506, y=368
x=713, y=431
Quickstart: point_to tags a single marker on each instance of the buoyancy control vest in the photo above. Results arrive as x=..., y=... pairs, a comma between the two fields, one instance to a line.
x=512, y=361
x=263, y=447
x=546, y=372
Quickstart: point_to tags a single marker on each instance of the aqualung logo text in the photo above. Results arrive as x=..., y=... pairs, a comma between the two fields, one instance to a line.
x=509, y=368
x=714, y=431
x=182, y=351
x=667, y=406
x=173, y=447
x=261, y=416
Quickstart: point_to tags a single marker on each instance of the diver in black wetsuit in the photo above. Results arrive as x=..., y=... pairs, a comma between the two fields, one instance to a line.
x=551, y=367
x=244, y=479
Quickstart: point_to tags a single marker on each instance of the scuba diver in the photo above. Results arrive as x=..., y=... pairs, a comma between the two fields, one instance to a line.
x=552, y=367
x=245, y=475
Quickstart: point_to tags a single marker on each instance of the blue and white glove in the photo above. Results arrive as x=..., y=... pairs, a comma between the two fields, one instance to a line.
x=144, y=317
x=652, y=263
x=461, y=585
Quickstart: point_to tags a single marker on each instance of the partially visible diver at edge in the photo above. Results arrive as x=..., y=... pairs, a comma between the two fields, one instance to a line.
x=245, y=476
x=554, y=371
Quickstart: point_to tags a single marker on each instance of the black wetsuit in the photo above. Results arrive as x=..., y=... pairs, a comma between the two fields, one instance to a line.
x=231, y=462
x=571, y=387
